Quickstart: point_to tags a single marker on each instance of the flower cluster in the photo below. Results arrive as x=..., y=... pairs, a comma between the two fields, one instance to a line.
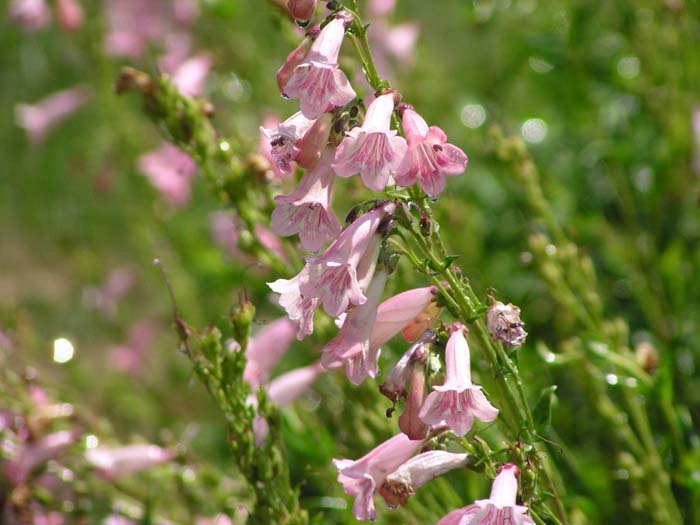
x=392, y=143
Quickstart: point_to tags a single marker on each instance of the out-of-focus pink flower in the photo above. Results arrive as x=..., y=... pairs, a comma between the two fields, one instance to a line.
x=505, y=325
x=29, y=14
x=178, y=47
x=457, y=401
x=416, y=472
x=32, y=455
x=318, y=83
x=106, y=297
x=351, y=346
x=270, y=241
x=266, y=349
x=69, y=14
x=189, y=76
x=40, y=118
x=171, y=171
x=302, y=9
x=499, y=509
x=299, y=308
x=363, y=477
x=130, y=356
x=131, y=25
x=5, y=342
x=381, y=7
x=185, y=12
x=116, y=519
x=336, y=276
x=307, y=210
x=114, y=463
x=429, y=157
x=224, y=231
x=373, y=150
x=221, y=519
x=48, y=518
x=285, y=140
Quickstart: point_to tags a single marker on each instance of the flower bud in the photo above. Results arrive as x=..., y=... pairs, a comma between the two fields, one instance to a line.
x=409, y=422
x=302, y=10
x=504, y=323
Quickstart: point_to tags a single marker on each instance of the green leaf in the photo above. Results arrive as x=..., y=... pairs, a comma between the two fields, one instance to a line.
x=542, y=413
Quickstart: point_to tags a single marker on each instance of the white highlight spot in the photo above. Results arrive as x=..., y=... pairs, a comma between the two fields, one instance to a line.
x=534, y=130
x=62, y=350
x=91, y=441
x=611, y=379
x=473, y=115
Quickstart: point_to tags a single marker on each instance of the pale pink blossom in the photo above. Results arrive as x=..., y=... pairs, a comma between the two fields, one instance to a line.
x=373, y=150
x=416, y=472
x=285, y=140
x=189, y=76
x=69, y=14
x=457, y=401
x=132, y=24
x=266, y=348
x=40, y=118
x=429, y=158
x=393, y=45
x=499, y=509
x=221, y=519
x=302, y=10
x=340, y=275
x=298, y=307
x=270, y=241
x=114, y=463
x=178, y=46
x=185, y=12
x=265, y=150
x=363, y=477
x=130, y=356
x=30, y=456
x=351, y=346
x=318, y=83
x=295, y=58
x=106, y=297
x=224, y=231
x=307, y=210
x=505, y=325
x=381, y=7
x=30, y=15
x=171, y=172
x=47, y=518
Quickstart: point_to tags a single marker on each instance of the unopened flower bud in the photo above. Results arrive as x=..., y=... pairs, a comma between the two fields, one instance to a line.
x=302, y=10
x=409, y=422
x=647, y=356
x=504, y=323
x=241, y=318
x=314, y=142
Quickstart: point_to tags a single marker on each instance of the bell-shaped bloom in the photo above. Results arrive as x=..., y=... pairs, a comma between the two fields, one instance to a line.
x=398, y=377
x=170, y=171
x=499, y=509
x=457, y=402
x=30, y=15
x=317, y=82
x=114, y=463
x=351, y=346
x=266, y=349
x=307, y=210
x=30, y=456
x=301, y=10
x=373, y=150
x=401, y=311
x=299, y=308
x=363, y=477
x=69, y=14
x=429, y=158
x=189, y=76
x=337, y=276
x=505, y=325
x=416, y=472
x=40, y=118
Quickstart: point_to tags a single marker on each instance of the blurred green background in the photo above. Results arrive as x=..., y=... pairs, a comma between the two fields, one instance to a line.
x=603, y=93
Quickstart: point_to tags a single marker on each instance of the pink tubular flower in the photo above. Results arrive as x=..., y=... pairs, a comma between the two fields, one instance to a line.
x=33, y=455
x=337, y=276
x=307, y=210
x=40, y=118
x=30, y=15
x=374, y=150
x=298, y=307
x=416, y=472
x=70, y=14
x=318, y=82
x=363, y=477
x=499, y=509
x=429, y=157
x=266, y=349
x=171, y=171
x=295, y=58
x=190, y=75
x=285, y=140
x=115, y=463
x=302, y=9
x=457, y=401
x=351, y=346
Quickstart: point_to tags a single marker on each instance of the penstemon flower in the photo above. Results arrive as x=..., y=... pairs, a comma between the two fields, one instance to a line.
x=115, y=463
x=266, y=349
x=317, y=82
x=429, y=157
x=363, y=477
x=307, y=210
x=170, y=171
x=298, y=307
x=373, y=150
x=402, y=311
x=40, y=118
x=285, y=138
x=457, y=402
x=499, y=509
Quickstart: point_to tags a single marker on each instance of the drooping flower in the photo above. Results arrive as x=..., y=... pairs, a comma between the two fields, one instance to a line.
x=69, y=14
x=299, y=308
x=337, y=276
x=505, y=325
x=363, y=477
x=429, y=156
x=295, y=58
x=40, y=118
x=114, y=463
x=31, y=456
x=351, y=346
x=171, y=171
x=301, y=10
x=499, y=509
x=307, y=210
x=266, y=349
x=457, y=402
x=416, y=472
x=317, y=82
x=373, y=149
